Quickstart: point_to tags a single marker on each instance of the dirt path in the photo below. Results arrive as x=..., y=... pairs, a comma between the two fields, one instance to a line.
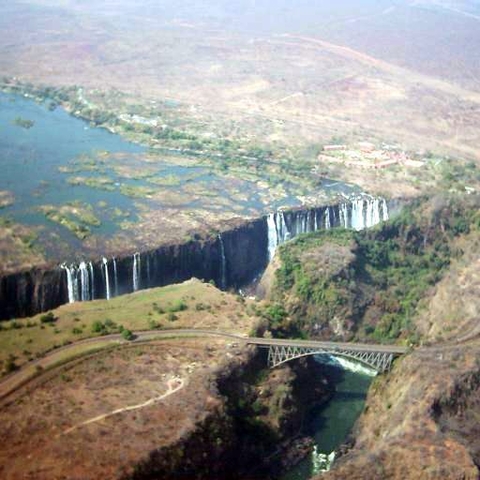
x=174, y=385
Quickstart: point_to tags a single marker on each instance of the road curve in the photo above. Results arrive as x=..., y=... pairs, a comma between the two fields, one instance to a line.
x=15, y=380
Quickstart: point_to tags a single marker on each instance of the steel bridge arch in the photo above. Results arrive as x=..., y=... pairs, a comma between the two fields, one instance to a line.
x=378, y=361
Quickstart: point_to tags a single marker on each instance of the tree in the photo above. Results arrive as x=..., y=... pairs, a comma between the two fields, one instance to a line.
x=127, y=334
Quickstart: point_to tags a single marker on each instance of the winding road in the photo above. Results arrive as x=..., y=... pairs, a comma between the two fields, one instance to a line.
x=62, y=355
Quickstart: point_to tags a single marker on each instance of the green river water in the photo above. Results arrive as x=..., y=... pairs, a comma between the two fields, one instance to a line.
x=330, y=424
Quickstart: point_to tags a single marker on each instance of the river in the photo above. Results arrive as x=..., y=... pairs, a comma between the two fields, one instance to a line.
x=330, y=424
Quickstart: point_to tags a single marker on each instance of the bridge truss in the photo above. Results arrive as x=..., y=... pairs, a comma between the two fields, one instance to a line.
x=379, y=361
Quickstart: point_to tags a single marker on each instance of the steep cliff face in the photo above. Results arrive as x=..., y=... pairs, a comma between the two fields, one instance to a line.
x=27, y=293
x=231, y=258
x=242, y=255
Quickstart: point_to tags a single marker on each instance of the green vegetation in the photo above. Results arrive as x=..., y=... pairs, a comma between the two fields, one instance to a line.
x=127, y=334
x=75, y=216
x=166, y=181
x=100, y=183
x=369, y=283
x=23, y=122
x=407, y=257
x=177, y=306
x=48, y=318
x=136, y=191
x=106, y=327
x=314, y=283
x=144, y=310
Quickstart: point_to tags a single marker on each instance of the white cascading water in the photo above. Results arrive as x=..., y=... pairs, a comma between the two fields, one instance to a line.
x=282, y=229
x=92, y=281
x=384, y=210
x=136, y=271
x=70, y=281
x=328, y=219
x=321, y=462
x=272, y=235
x=358, y=220
x=84, y=281
x=223, y=278
x=359, y=212
x=344, y=215
x=115, y=276
x=107, y=279
x=346, y=364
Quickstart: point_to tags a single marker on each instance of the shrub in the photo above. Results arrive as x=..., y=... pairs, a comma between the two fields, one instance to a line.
x=178, y=306
x=153, y=325
x=127, y=334
x=109, y=323
x=48, y=318
x=98, y=327
x=10, y=365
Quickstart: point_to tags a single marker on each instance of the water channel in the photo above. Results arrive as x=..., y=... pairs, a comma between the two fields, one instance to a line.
x=330, y=424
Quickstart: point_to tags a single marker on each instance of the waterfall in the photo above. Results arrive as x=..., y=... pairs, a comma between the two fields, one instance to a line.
x=115, y=276
x=328, y=219
x=92, y=281
x=321, y=462
x=358, y=222
x=286, y=235
x=272, y=235
x=357, y=212
x=279, y=219
x=107, y=279
x=84, y=282
x=223, y=278
x=374, y=212
x=384, y=210
x=136, y=271
x=70, y=282
x=334, y=218
x=344, y=215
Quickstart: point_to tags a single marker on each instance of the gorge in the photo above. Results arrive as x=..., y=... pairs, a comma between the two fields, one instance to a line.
x=231, y=258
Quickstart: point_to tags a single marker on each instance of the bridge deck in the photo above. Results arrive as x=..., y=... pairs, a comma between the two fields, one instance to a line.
x=358, y=347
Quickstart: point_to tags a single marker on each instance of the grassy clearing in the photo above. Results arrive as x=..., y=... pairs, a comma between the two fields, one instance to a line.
x=190, y=304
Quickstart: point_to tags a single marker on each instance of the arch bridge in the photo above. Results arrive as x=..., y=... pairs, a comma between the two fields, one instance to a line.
x=377, y=357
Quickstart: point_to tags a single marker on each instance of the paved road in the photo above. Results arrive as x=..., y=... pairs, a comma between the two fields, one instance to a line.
x=12, y=382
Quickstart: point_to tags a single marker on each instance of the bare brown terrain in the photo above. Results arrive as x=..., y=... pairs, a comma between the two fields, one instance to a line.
x=387, y=71
x=46, y=434
x=288, y=77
